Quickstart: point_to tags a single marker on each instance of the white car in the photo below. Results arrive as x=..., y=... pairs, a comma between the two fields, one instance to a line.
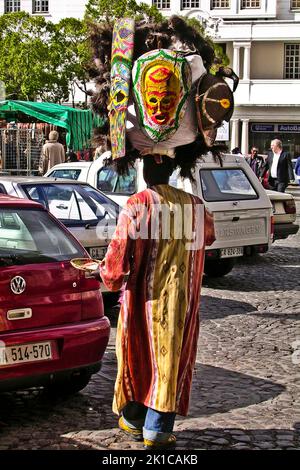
x=102, y=177
x=240, y=205
x=119, y=188
x=89, y=214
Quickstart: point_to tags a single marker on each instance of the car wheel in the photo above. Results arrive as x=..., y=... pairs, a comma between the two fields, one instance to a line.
x=218, y=267
x=69, y=385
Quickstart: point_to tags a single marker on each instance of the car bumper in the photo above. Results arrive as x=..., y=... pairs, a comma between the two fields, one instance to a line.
x=74, y=347
x=284, y=230
x=43, y=380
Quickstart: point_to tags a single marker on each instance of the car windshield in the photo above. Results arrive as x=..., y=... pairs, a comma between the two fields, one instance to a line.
x=68, y=174
x=74, y=204
x=109, y=181
x=30, y=236
x=226, y=185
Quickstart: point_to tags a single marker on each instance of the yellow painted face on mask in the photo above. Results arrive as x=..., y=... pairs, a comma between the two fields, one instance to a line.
x=161, y=82
x=161, y=92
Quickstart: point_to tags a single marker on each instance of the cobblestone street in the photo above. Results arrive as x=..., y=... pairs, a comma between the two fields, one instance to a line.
x=246, y=389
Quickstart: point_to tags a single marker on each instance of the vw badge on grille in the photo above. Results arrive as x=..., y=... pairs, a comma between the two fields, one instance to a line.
x=18, y=285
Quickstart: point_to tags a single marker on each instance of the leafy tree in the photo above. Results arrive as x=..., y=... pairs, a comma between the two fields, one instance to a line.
x=72, y=43
x=29, y=64
x=99, y=10
x=221, y=57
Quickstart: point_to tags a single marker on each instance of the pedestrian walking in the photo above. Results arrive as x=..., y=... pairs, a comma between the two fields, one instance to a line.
x=158, y=325
x=53, y=153
x=279, y=165
x=255, y=161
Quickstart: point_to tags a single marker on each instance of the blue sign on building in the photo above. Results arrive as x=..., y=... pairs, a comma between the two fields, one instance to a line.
x=262, y=128
x=289, y=128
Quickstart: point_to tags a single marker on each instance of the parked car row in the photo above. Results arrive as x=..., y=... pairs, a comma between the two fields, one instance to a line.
x=88, y=213
x=240, y=205
x=53, y=331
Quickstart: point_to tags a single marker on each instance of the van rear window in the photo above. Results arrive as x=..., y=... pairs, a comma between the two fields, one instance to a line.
x=110, y=182
x=68, y=174
x=225, y=184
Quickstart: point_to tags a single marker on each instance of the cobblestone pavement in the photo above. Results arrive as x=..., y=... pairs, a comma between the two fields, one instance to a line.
x=246, y=386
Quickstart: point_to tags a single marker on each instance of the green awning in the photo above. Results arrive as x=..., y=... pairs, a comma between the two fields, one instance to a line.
x=78, y=123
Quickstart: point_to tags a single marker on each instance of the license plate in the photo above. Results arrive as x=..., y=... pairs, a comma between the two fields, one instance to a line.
x=98, y=252
x=22, y=353
x=232, y=252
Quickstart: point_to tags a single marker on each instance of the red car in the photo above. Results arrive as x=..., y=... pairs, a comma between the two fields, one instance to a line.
x=53, y=331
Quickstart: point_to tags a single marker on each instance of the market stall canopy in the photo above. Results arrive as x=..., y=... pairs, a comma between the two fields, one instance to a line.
x=78, y=123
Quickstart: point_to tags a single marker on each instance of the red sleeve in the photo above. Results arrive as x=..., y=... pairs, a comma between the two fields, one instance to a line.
x=116, y=263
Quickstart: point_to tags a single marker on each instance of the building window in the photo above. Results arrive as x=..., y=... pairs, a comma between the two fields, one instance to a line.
x=190, y=4
x=40, y=6
x=12, y=5
x=250, y=4
x=220, y=4
x=162, y=4
x=292, y=61
x=295, y=4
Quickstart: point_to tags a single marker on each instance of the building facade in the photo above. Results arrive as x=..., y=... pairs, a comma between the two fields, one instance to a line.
x=262, y=41
x=53, y=10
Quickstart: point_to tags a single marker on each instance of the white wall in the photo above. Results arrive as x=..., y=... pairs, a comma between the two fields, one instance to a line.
x=58, y=9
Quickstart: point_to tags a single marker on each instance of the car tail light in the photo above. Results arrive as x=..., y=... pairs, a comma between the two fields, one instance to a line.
x=290, y=206
x=92, y=302
x=211, y=254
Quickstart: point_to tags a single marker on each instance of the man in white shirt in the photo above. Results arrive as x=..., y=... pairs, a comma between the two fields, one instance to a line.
x=279, y=165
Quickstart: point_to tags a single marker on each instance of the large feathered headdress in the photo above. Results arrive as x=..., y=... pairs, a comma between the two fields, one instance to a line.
x=155, y=94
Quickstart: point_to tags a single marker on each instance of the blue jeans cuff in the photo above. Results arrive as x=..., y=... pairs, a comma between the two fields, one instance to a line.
x=156, y=435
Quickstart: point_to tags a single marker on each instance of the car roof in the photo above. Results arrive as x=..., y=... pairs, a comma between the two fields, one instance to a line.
x=38, y=180
x=79, y=164
x=7, y=200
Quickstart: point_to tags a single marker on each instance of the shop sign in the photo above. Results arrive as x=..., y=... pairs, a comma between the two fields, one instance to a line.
x=262, y=127
x=289, y=128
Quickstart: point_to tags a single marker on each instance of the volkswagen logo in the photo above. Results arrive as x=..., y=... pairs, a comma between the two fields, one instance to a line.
x=18, y=285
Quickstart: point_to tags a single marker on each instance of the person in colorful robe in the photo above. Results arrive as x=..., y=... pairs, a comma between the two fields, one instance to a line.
x=159, y=243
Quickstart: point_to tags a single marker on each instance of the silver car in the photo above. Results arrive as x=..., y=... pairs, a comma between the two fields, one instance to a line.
x=87, y=212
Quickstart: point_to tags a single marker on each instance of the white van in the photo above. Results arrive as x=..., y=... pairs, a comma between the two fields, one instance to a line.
x=241, y=207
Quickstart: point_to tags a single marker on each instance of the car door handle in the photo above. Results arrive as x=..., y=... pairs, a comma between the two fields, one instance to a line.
x=61, y=206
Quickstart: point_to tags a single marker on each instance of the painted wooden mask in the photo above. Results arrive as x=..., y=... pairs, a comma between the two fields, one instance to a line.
x=121, y=64
x=161, y=85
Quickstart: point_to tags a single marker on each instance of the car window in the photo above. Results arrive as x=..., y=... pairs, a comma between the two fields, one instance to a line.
x=75, y=204
x=36, y=194
x=68, y=174
x=109, y=181
x=32, y=236
x=226, y=185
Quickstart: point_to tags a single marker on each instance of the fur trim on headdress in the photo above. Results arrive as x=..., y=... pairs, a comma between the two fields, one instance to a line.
x=195, y=151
